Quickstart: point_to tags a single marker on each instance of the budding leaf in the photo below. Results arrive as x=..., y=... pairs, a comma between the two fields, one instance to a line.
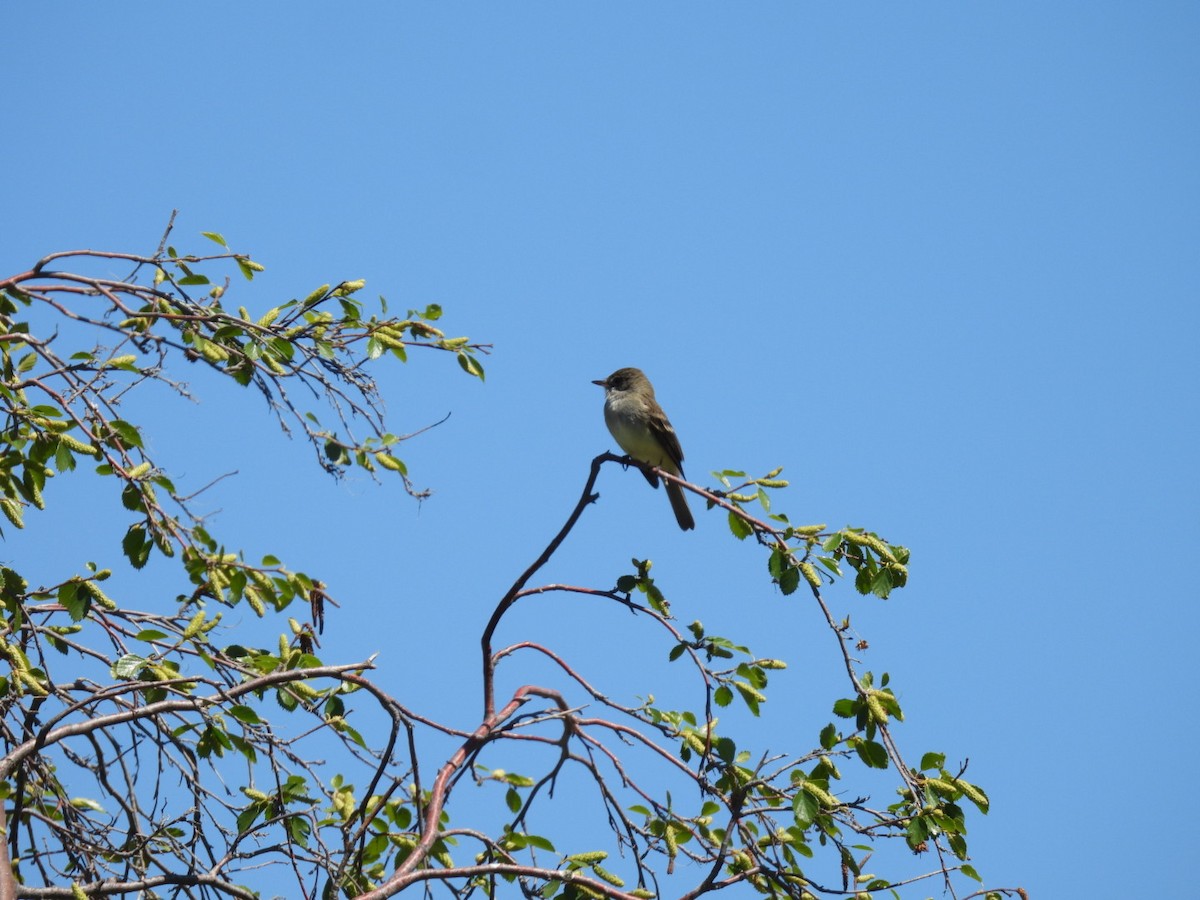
x=740, y=527
x=470, y=365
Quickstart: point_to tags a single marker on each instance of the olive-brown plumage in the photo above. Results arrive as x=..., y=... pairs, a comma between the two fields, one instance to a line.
x=642, y=429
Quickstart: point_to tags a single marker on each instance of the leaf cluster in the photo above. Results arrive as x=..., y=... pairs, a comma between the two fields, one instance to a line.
x=153, y=752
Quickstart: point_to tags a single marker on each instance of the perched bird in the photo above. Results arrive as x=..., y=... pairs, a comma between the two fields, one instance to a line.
x=644, y=432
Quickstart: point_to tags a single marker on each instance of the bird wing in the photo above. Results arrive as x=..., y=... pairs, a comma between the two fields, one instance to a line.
x=666, y=437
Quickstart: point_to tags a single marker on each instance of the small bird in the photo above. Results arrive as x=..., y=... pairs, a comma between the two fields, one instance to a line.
x=644, y=432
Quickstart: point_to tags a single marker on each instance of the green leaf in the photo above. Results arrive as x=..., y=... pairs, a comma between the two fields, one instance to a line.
x=749, y=696
x=806, y=808
x=862, y=581
x=165, y=483
x=283, y=348
x=830, y=564
x=970, y=872
x=343, y=728
x=245, y=715
x=215, y=238
x=845, y=708
x=334, y=452
x=658, y=602
x=132, y=498
x=515, y=840
x=194, y=279
x=740, y=527
x=540, y=842
x=248, y=816
x=917, y=831
x=150, y=634
x=829, y=736
x=789, y=581
x=335, y=708
x=390, y=462
x=726, y=749
x=872, y=753
x=932, y=760
x=881, y=584
x=64, y=460
x=128, y=667
x=243, y=747
x=723, y=696
x=470, y=365
x=754, y=674
x=776, y=562
x=403, y=818
x=136, y=546
x=129, y=434
x=513, y=800
x=626, y=583
x=958, y=845
x=74, y=601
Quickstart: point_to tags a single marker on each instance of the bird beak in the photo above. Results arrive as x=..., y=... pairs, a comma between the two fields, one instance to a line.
x=603, y=383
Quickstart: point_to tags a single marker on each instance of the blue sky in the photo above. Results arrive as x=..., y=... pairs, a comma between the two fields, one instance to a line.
x=938, y=260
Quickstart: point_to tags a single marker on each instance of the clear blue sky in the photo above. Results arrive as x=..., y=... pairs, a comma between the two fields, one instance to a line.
x=940, y=260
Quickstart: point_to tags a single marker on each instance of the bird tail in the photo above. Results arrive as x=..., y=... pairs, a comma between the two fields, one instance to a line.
x=683, y=515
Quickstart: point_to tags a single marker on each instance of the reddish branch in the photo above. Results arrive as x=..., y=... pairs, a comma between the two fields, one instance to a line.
x=750, y=804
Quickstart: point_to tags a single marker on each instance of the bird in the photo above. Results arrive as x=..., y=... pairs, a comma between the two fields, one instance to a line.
x=643, y=431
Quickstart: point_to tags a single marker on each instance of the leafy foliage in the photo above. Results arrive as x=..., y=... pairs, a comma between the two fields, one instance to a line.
x=150, y=753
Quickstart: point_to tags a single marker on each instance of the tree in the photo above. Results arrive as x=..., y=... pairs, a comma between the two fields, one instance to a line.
x=149, y=753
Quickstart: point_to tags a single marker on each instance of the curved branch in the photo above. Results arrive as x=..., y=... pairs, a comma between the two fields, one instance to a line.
x=47, y=738
x=489, y=663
